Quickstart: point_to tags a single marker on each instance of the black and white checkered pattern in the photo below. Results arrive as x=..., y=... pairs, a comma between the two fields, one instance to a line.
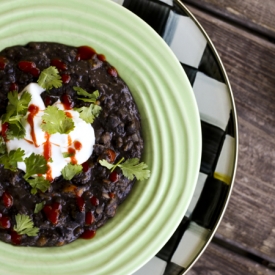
x=191, y=47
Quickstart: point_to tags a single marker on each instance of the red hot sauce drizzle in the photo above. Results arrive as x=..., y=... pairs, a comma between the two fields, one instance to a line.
x=33, y=109
x=67, y=102
x=84, y=53
x=3, y=62
x=56, y=62
x=14, y=87
x=66, y=78
x=5, y=127
x=29, y=67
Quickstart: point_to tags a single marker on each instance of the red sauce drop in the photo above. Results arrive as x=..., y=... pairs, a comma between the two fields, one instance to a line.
x=112, y=71
x=89, y=218
x=69, y=140
x=35, y=72
x=67, y=102
x=112, y=195
x=94, y=201
x=48, y=101
x=7, y=199
x=5, y=222
x=71, y=151
x=3, y=62
x=81, y=203
x=66, y=78
x=14, y=87
x=84, y=53
x=101, y=57
x=85, y=166
x=29, y=67
x=68, y=114
x=49, y=176
x=59, y=64
x=77, y=145
x=47, y=147
x=33, y=109
x=88, y=234
x=113, y=176
x=5, y=127
x=15, y=238
x=111, y=154
x=52, y=212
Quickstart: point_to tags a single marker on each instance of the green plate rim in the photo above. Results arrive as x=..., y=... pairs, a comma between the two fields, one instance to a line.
x=171, y=129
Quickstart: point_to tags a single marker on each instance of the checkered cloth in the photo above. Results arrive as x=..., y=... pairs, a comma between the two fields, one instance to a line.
x=190, y=46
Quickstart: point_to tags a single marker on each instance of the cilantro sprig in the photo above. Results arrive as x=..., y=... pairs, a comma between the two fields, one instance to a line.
x=88, y=114
x=56, y=121
x=9, y=160
x=15, y=111
x=35, y=164
x=3, y=147
x=39, y=207
x=49, y=78
x=38, y=183
x=130, y=168
x=92, y=98
x=24, y=225
x=71, y=170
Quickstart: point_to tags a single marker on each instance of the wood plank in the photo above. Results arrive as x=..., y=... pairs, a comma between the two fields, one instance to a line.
x=256, y=15
x=219, y=261
x=249, y=61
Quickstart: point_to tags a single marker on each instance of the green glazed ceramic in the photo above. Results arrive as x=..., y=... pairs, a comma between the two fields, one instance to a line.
x=170, y=124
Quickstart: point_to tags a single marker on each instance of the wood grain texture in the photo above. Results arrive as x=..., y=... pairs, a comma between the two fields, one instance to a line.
x=219, y=261
x=255, y=14
x=250, y=64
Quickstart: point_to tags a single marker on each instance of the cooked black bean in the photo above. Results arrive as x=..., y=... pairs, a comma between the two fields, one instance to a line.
x=88, y=200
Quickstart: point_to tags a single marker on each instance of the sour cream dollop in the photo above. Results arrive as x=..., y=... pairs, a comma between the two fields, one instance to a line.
x=78, y=143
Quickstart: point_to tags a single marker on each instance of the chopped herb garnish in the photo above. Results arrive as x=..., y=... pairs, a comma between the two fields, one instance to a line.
x=15, y=131
x=56, y=121
x=10, y=160
x=39, y=207
x=24, y=225
x=49, y=78
x=67, y=155
x=89, y=97
x=38, y=183
x=130, y=168
x=71, y=170
x=16, y=109
x=35, y=164
x=88, y=114
x=3, y=147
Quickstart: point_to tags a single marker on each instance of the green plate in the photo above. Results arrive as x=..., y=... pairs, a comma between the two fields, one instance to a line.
x=171, y=130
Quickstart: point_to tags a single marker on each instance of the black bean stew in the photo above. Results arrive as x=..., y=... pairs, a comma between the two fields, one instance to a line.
x=73, y=208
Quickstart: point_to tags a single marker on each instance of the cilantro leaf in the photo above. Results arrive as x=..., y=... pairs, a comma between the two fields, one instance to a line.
x=67, y=155
x=39, y=207
x=70, y=170
x=56, y=121
x=15, y=111
x=88, y=114
x=10, y=160
x=106, y=164
x=15, y=130
x=24, y=225
x=3, y=147
x=35, y=164
x=38, y=183
x=90, y=97
x=130, y=168
x=49, y=78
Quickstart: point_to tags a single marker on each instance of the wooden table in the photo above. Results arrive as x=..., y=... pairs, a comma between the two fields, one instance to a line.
x=243, y=32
